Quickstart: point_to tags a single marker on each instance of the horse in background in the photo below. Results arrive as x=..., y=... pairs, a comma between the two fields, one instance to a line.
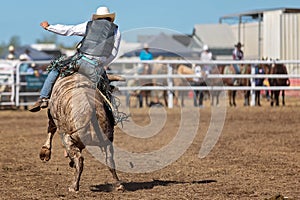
x=198, y=95
x=266, y=82
x=278, y=69
x=246, y=69
x=181, y=69
x=145, y=69
x=214, y=94
x=157, y=95
x=229, y=69
x=152, y=98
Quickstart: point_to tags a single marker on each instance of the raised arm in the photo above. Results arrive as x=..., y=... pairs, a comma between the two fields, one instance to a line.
x=65, y=30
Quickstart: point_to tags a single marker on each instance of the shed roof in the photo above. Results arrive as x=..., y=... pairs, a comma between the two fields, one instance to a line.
x=165, y=45
x=255, y=13
x=215, y=35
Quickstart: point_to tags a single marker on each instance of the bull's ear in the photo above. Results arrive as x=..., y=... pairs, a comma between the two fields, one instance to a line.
x=113, y=77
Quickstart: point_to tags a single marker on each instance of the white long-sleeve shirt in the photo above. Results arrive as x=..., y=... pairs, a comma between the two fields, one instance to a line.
x=80, y=30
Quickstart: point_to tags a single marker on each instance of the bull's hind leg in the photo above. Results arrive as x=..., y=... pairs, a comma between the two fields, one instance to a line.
x=45, y=153
x=74, y=153
x=109, y=158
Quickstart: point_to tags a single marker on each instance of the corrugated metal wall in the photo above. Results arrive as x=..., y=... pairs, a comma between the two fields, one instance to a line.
x=290, y=39
x=272, y=35
x=280, y=37
x=249, y=37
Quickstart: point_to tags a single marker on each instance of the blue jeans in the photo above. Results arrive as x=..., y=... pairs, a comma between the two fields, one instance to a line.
x=86, y=68
x=236, y=68
x=48, y=84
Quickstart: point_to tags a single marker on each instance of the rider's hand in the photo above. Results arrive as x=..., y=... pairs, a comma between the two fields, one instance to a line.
x=44, y=24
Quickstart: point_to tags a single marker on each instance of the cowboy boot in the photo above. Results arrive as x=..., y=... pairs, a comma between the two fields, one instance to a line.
x=40, y=103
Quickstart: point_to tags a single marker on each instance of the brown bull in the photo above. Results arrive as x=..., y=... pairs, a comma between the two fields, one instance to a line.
x=82, y=118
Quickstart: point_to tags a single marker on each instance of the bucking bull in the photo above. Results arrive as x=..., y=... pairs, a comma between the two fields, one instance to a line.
x=82, y=117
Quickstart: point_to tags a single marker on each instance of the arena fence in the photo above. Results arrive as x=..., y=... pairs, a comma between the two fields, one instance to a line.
x=19, y=88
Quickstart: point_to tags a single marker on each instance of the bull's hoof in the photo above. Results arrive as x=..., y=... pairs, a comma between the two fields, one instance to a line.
x=72, y=164
x=119, y=187
x=73, y=188
x=45, y=154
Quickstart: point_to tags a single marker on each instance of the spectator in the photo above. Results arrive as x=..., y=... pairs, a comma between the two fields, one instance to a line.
x=11, y=55
x=145, y=54
x=266, y=83
x=206, y=55
x=259, y=83
x=26, y=55
x=198, y=94
x=237, y=54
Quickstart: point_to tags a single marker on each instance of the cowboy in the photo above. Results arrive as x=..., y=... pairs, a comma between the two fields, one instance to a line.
x=98, y=48
x=145, y=54
x=206, y=56
x=237, y=54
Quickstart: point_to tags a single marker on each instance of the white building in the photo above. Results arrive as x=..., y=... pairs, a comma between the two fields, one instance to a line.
x=269, y=33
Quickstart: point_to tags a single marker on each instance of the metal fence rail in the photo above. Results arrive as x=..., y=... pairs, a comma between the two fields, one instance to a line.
x=13, y=79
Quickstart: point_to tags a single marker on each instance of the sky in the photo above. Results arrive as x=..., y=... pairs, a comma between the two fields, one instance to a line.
x=22, y=18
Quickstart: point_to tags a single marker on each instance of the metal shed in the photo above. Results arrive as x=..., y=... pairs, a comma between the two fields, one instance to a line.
x=219, y=38
x=269, y=33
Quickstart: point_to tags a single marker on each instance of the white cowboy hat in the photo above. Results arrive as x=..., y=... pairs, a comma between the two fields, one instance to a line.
x=11, y=48
x=103, y=12
x=205, y=47
x=22, y=57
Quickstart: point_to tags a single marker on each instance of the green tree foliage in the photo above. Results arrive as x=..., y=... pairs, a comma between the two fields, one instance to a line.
x=52, y=39
x=14, y=40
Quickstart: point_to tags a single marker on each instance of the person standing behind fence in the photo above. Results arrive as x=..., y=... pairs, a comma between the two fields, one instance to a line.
x=206, y=55
x=26, y=55
x=237, y=54
x=145, y=54
x=11, y=55
x=199, y=81
x=259, y=83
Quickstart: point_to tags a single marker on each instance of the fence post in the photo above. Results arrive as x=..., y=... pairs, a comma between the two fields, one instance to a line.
x=252, y=80
x=17, y=101
x=170, y=85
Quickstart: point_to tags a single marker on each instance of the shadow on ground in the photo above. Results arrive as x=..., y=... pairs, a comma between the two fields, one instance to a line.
x=134, y=186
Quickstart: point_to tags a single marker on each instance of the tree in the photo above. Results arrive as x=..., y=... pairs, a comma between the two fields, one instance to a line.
x=15, y=41
x=52, y=39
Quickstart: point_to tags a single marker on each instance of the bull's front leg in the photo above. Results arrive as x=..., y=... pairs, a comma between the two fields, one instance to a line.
x=45, y=153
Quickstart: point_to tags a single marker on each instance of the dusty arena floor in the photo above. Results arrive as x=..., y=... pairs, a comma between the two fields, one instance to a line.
x=256, y=157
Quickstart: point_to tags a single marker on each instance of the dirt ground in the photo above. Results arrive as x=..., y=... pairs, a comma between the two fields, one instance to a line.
x=257, y=157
